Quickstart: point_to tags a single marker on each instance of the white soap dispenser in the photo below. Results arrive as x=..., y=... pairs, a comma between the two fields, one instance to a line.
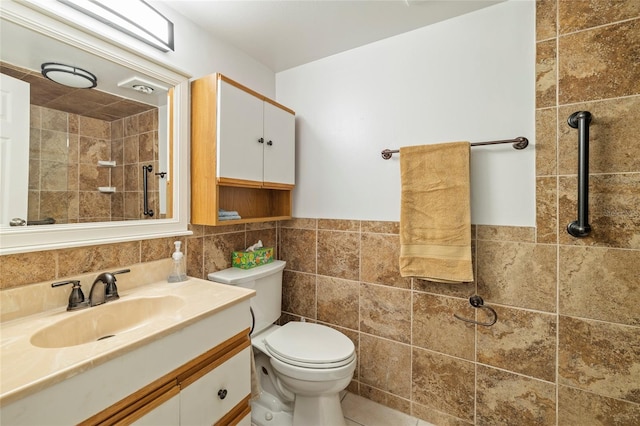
x=178, y=269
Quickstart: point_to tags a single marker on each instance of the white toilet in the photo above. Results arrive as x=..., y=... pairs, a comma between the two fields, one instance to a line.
x=301, y=366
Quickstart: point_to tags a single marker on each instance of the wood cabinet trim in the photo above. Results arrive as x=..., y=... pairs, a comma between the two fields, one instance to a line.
x=276, y=185
x=147, y=408
x=224, y=181
x=204, y=95
x=237, y=413
x=254, y=93
x=206, y=362
x=145, y=399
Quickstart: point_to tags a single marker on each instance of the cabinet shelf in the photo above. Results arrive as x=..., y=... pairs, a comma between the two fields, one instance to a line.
x=254, y=204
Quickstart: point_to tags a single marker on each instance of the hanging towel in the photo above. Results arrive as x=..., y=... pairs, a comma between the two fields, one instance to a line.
x=255, y=381
x=435, y=216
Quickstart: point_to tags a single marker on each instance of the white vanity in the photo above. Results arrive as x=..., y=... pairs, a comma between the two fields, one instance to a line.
x=163, y=354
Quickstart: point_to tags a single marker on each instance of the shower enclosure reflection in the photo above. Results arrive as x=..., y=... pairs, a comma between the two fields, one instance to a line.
x=86, y=152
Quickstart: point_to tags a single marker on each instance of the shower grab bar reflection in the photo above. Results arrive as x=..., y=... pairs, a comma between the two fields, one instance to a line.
x=145, y=188
x=477, y=302
x=518, y=143
x=580, y=120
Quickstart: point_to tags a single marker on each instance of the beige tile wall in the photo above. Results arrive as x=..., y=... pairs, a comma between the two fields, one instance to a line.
x=134, y=143
x=207, y=250
x=64, y=152
x=566, y=347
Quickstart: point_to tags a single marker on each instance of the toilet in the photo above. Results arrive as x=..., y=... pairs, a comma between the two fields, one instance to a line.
x=301, y=367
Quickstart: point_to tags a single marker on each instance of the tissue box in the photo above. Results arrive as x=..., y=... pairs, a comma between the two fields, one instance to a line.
x=251, y=259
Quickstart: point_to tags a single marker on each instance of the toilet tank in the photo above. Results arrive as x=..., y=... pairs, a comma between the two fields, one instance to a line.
x=266, y=280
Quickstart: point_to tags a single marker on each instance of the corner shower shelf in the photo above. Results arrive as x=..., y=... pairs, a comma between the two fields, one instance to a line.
x=103, y=163
x=107, y=189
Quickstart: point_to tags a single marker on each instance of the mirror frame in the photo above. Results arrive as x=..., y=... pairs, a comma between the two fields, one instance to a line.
x=49, y=237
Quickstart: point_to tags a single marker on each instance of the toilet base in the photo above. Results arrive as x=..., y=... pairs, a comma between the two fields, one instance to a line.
x=319, y=410
x=264, y=414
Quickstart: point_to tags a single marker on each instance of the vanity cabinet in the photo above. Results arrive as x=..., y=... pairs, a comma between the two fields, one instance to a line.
x=197, y=374
x=242, y=153
x=213, y=389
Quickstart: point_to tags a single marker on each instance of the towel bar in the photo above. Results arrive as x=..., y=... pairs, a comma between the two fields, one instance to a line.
x=518, y=143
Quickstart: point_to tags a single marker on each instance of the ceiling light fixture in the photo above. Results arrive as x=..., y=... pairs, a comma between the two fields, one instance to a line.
x=143, y=89
x=69, y=75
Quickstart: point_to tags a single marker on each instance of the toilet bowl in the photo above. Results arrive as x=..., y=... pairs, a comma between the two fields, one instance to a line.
x=311, y=363
x=302, y=367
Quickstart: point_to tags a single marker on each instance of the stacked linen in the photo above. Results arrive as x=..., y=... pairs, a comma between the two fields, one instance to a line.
x=228, y=215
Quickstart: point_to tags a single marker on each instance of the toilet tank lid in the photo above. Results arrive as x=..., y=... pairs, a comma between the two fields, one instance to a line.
x=238, y=276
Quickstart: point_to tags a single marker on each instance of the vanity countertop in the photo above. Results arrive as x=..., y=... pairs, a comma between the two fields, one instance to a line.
x=27, y=369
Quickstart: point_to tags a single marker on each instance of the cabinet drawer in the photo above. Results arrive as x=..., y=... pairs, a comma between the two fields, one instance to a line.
x=207, y=399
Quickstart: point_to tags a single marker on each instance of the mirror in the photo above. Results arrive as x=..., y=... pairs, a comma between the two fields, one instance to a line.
x=92, y=165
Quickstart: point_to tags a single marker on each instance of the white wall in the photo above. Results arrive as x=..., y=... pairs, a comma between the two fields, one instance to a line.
x=196, y=52
x=200, y=54
x=469, y=78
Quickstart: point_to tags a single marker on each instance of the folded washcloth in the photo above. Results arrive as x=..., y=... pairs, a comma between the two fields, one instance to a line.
x=229, y=217
x=435, y=214
x=223, y=213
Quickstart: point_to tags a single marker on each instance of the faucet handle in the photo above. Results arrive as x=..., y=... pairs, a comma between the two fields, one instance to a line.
x=76, y=298
x=111, y=292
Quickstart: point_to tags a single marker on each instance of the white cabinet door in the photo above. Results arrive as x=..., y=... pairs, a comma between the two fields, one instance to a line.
x=279, y=150
x=239, y=124
x=208, y=399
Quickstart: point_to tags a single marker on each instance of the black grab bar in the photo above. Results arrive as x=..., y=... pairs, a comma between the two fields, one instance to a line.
x=580, y=120
x=145, y=188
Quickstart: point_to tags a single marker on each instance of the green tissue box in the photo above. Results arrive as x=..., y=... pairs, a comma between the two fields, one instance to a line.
x=251, y=259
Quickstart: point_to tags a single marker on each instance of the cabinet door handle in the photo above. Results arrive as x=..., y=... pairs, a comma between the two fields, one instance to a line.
x=222, y=393
x=261, y=140
x=270, y=143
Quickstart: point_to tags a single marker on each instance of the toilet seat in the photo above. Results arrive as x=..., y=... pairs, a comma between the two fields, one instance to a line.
x=310, y=345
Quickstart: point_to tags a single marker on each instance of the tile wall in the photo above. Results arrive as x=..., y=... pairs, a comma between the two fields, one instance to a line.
x=64, y=151
x=134, y=143
x=566, y=347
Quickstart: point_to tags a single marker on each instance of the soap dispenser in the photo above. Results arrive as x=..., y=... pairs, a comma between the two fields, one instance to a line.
x=178, y=269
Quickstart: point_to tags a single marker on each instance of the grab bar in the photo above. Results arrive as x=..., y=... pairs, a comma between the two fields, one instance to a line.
x=580, y=120
x=145, y=188
x=477, y=302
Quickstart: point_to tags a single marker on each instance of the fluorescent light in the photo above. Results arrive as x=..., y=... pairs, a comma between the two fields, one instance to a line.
x=133, y=17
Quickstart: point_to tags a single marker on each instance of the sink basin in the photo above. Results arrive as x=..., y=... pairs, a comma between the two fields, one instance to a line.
x=105, y=321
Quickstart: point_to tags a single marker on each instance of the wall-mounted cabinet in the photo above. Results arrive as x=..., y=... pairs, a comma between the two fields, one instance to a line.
x=242, y=153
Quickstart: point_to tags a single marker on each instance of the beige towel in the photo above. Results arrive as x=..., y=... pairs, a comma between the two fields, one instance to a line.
x=435, y=216
x=255, y=381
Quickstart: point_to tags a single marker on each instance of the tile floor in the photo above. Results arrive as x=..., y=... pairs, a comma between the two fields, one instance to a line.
x=359, y=411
